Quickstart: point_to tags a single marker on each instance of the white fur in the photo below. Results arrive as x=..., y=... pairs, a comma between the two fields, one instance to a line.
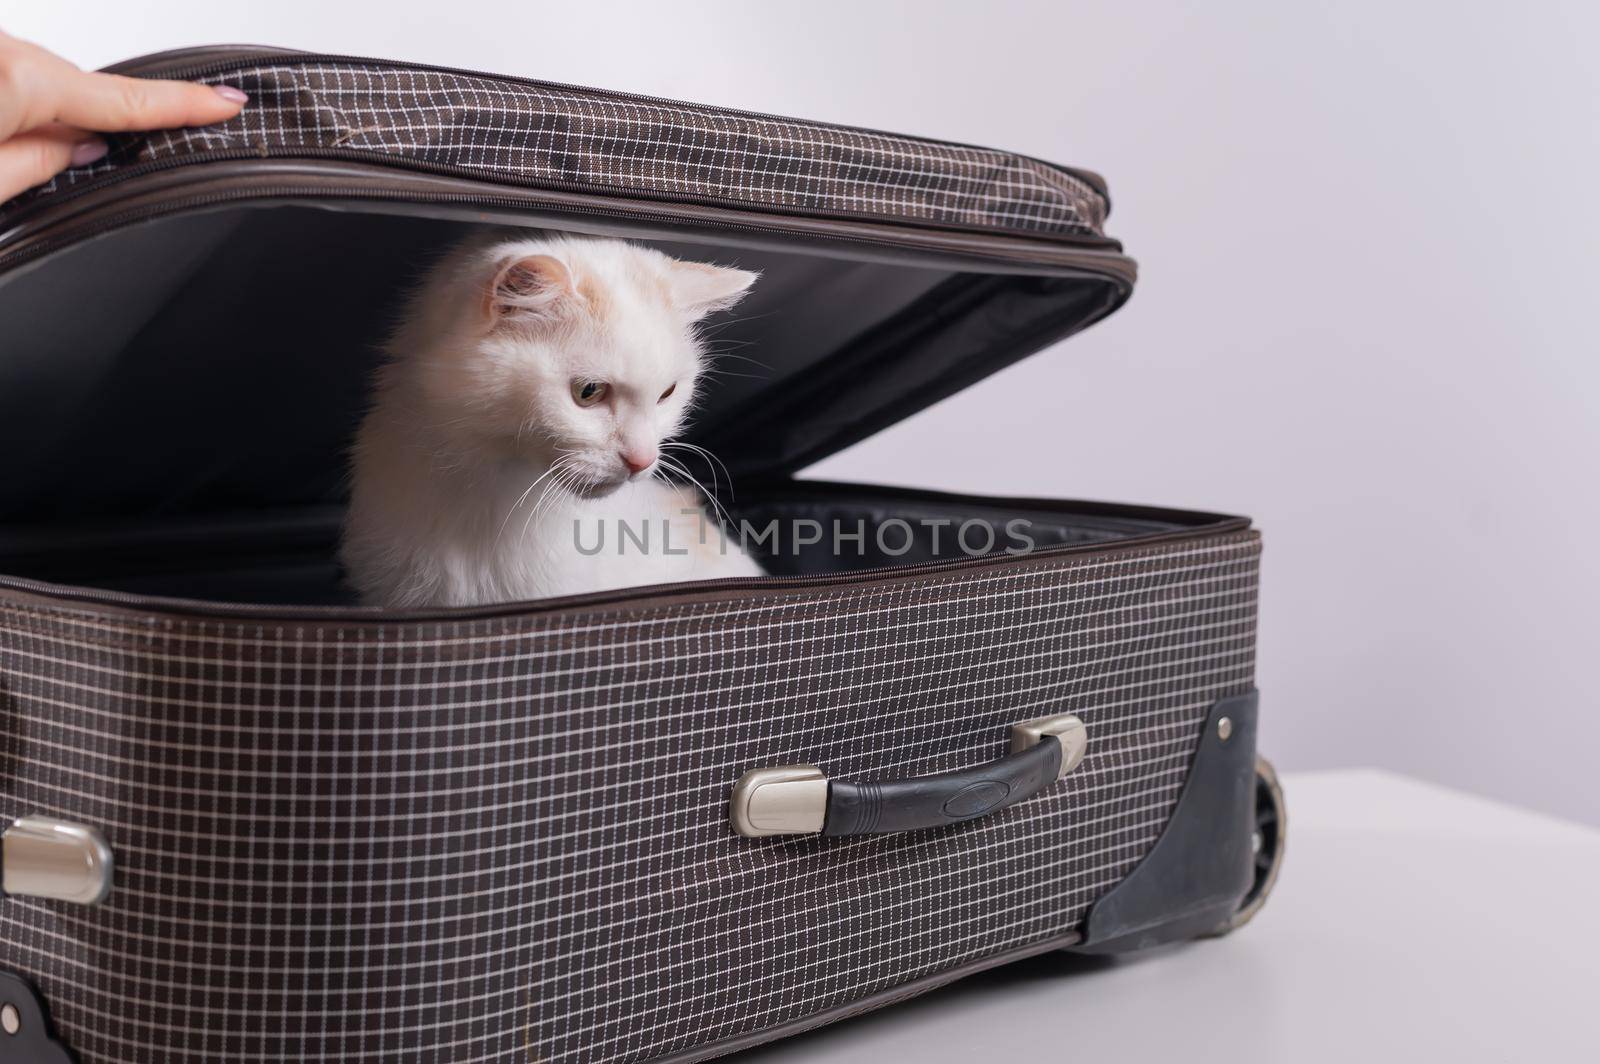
x=475, y=460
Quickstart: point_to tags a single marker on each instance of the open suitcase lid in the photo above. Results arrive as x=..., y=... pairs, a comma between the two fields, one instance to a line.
x=165, y=310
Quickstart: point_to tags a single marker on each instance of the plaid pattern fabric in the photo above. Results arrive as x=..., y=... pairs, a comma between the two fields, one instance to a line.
x=527, y=133
x=505, y=839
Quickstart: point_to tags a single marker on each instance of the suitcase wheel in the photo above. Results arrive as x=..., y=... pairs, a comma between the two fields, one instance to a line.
x=1267, y=841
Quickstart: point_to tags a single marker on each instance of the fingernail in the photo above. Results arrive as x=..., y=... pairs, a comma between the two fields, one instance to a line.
x=229, y=93
x=89, y=151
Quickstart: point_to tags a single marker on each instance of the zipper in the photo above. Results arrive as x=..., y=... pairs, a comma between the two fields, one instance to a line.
x=119, y=175
x=636, y=597
x=76, y=222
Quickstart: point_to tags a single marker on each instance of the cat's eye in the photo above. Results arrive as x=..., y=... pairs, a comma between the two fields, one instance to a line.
x=670, y=389
x=588, y=393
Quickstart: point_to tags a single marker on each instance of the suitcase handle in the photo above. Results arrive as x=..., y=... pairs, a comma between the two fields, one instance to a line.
x=800, y=800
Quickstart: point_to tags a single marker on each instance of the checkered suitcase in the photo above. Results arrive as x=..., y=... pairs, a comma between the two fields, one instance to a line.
x=248, y=821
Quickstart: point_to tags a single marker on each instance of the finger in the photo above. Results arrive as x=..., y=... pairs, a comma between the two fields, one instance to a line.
x=34, y=158
x=38, y=87
x=111, y=103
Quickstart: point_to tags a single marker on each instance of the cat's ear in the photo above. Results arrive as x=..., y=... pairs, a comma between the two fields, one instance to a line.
x=698, y=288
x=530, y=286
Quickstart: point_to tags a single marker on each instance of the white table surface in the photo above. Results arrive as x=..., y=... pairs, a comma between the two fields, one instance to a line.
x=1410, y=923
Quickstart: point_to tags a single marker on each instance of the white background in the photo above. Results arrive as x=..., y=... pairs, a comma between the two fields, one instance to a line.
x=1368, y=235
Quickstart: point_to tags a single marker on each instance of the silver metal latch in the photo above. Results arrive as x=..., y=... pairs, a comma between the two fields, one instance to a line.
x=42, y=857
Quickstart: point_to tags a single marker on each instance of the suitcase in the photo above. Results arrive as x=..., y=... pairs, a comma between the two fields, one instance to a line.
x=247, y=820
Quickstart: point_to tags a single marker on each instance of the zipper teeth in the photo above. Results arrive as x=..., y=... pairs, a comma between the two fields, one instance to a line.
x=120, y=174
x=123, y=173
x=104, y=223
x=381, y=615
x=46, y=245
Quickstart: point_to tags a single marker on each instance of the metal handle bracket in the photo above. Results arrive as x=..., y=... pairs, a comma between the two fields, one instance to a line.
x=42, y=857
x=1067, y=729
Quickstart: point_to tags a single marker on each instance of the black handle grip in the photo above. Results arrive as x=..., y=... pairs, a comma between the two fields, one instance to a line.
x=873, y=807
x=800, y=800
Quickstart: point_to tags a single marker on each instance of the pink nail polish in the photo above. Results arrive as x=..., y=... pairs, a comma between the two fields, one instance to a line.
x=89, y=151
x=229, y=93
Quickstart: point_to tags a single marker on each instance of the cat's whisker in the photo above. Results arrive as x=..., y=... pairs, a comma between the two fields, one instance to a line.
x=720, y=356
x=765, y=371
x=525, y=493
x=716, y=482
x=710, y=456
x=711, y=460
x=566, y=475
x=723, y=323
x=720, y=511
x=519, y=500
x=717, y=350
x=708, y=372
x=569, y=479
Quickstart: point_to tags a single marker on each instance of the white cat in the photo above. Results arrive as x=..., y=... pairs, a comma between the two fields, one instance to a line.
x=521, y=414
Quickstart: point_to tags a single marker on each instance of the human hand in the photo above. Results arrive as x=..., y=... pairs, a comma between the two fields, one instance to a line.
x=50, y=112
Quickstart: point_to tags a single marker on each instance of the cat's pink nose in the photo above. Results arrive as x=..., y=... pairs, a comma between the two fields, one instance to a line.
x=638, y=461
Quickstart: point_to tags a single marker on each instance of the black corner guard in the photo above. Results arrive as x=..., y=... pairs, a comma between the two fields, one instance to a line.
x=1193, y=879
x=34, y=1041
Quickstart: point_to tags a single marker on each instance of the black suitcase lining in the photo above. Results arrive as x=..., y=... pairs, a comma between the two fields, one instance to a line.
x=152, y=371
x=150, y=375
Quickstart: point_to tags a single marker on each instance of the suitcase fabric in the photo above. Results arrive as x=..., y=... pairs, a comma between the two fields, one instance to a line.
x=538, y=133
x=502, y=834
